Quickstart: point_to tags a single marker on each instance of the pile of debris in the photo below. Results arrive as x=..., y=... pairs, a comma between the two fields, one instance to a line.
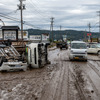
x=10, y=59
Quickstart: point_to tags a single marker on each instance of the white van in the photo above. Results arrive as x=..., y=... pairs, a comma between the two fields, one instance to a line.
x=78, y=50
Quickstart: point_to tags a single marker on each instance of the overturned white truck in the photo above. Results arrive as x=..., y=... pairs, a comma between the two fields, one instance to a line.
x=37, y=54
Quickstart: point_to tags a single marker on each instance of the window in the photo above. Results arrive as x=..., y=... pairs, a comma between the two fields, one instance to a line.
x=93, y=46
x=35, y=57
x=78, y=46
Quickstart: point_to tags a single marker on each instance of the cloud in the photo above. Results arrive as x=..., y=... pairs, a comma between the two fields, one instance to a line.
x=72, y=14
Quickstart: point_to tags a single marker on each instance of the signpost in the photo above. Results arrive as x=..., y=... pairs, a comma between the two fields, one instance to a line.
x=45, y=37
x=89, y=35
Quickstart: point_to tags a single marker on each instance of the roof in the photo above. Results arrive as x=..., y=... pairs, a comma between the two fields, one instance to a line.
x=10, y=27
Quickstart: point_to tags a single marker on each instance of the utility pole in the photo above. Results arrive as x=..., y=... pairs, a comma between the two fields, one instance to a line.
x=89, y=25
x=61, y=36
x=60, y=27
x=85, y=35
x=21, y=7
x=51, y=28
x=99, y=19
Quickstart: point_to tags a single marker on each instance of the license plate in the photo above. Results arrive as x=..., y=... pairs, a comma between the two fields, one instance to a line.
x=18, y=66
x=76, y=57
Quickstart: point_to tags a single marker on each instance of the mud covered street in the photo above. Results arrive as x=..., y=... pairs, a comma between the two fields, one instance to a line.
x=60, y=80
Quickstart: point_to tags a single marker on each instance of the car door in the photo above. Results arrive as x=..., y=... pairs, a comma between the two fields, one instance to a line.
x=93, y=49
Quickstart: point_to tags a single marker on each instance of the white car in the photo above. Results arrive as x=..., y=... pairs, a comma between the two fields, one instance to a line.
x=94, y=48
x=78, y=50
x=12, y=66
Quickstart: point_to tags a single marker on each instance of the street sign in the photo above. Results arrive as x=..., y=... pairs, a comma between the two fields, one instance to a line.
x=10, y=35
x=88, y=34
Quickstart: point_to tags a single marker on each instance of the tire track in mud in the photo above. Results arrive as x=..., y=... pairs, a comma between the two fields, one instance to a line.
x=85, y=69
x=94, y=68
x=98, y=63
x=94, y=83
x=50, y=88
x=78, y=82
x=94, y=87
x=56, y=89
x=58, y=94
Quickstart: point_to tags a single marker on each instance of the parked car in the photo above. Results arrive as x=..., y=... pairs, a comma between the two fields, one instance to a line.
x=63, y=45
x=94, y=48
x=78, y=50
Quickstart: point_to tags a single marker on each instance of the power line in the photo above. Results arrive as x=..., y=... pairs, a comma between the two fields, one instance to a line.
x=16, y=20
x=11, y=12
x=11, y=18
x=2, y=14
x=99, y=20
x=26, y=23
x=37, y=11
x=38, y=14
x=95, y=26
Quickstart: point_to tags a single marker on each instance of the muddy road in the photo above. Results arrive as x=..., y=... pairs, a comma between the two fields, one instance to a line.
x=60, y=80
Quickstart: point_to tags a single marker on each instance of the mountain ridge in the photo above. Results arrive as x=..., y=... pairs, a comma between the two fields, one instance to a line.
x=71, y=34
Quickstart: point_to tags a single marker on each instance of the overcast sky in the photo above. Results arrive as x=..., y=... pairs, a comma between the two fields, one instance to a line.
x=70, y=14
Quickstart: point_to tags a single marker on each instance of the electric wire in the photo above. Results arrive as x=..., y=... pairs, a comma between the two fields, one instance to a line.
x=37, y=11
x=16, y=20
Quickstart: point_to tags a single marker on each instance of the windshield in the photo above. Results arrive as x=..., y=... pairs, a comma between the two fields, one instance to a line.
x=78, y=46
x=98, y=45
